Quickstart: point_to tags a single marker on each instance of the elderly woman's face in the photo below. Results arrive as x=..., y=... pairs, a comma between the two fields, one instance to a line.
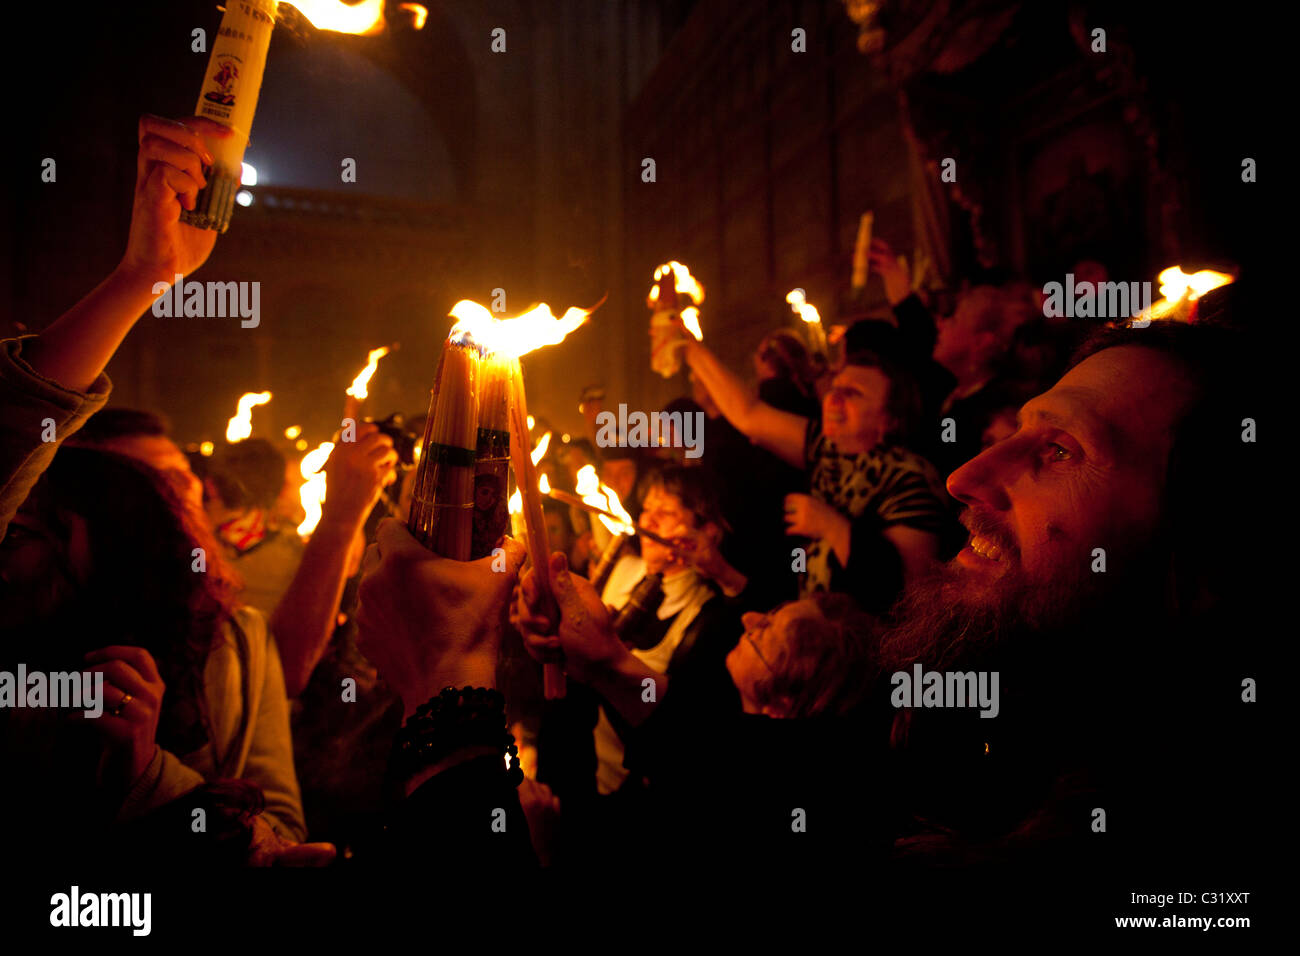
x=761, y=649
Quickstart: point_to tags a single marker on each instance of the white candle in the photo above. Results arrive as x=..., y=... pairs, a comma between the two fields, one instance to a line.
x=229, y=96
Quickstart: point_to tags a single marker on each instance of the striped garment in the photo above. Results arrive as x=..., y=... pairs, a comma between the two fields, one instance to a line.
x=898, y=486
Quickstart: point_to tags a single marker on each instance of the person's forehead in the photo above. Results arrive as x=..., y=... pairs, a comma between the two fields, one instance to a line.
x=865, y=377
x=1122, y=395
x=793, y=611
x=658, y=498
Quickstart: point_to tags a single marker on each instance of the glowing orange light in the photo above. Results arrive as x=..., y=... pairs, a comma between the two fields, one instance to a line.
x=684, y=284
x=312, y=492
x=364, y=17
x=358, y=387
x=419, y=14
x=539, y=452
x=241, y=426
x=605, y=498
x=514, y=337
x=1180, y=290
x=801, y=307
x=1174, y=283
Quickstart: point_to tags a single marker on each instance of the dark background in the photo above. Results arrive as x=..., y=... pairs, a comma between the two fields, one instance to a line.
x=521, y=170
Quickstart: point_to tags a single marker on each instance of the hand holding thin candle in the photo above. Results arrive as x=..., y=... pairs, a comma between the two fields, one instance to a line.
x=582, y=630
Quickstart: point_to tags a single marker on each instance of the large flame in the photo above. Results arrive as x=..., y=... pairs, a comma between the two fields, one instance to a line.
x=801, y=307
x=358, y=387
x=241, y=426
x=518, y=336
x=364, y=17
x=543, y=485
x=516, y=503
x=312, y=492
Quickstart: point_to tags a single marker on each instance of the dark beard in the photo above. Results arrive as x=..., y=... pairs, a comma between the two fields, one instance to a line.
x=946, y=622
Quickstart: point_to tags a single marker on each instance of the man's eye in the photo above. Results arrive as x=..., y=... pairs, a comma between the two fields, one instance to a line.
x=1059, y=452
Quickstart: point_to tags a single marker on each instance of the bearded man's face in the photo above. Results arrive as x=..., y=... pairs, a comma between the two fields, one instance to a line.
x=1085, y=470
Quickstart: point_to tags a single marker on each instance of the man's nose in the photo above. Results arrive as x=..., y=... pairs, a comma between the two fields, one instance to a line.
x=985, y=477
x=750, y=620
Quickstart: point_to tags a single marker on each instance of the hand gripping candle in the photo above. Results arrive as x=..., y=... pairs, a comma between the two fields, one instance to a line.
x=229, y=96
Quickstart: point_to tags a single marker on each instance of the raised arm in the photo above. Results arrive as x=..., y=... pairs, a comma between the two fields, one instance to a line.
x=74, y=350
x=57, y=378
x=779, y=432
x=304, y=620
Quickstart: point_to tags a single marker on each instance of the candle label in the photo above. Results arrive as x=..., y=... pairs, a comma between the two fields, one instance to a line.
x=491, y=503
x=234, y=76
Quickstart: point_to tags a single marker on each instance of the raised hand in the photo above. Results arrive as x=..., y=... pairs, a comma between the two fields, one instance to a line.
x=883, y=261
x=584, y=634
x=170, y=171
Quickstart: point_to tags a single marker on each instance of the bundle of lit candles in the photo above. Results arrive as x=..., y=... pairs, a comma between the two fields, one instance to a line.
x=478, y=417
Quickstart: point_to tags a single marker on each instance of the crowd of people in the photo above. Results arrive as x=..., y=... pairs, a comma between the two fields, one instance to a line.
x=1067, y=507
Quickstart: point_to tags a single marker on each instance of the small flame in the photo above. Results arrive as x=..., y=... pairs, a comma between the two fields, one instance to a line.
x=801, y=307
x=300, y=444
x=364, y=17
x=241, y=426
x=683, y=282
x=312, y=492
x=292, y=432
x=1174, y=283
x=516, y=503
x=603, y=497
x=518, y=336
x=206, y=449
x=691, y=320
x=419, y=13
x=532, y=423
x=616, y=506
x=588, y=483
x=358, y=387
x=1180, y=290
x=539, y=452
x=543, y=485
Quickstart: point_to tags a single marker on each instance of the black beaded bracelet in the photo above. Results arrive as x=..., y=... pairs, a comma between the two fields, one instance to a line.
x=455, y=719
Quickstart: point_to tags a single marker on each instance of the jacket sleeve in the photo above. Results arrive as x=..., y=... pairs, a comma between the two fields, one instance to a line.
x=32, y=409
x=270, y=756
x=164, y=780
